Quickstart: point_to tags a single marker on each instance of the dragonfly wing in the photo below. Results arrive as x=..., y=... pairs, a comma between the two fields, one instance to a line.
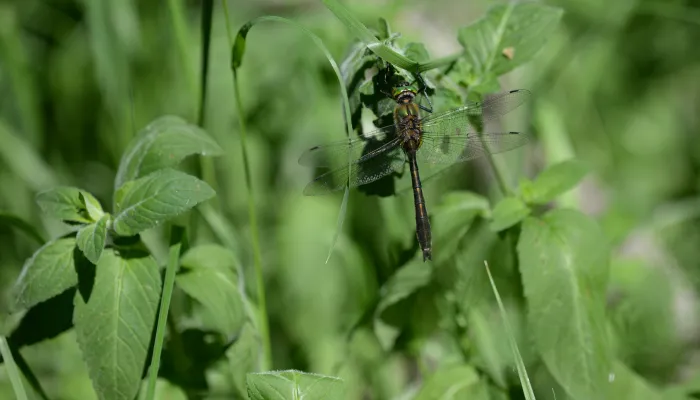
x=445, y=149
x=359, y=173
x=490, y=109
x=353, y=149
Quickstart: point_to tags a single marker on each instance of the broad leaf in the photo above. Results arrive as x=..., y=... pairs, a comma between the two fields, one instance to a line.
x=402, y=284
x=68, y=203
x=50, y=271
x=453, y=218
x=91, y=239
x=564, y=267
x=284, y=385
x=507, y=213
x=453, y=382
x=114, y=320
x=553, y=181
x=215, y=285
x=508, y=36
x=162, y=144
x=148, y=201
x=243, y=358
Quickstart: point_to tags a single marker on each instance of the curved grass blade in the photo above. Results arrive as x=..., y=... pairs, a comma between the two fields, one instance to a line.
x=520, y=365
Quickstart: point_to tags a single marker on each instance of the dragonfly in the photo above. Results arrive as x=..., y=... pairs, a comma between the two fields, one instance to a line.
x=442, y=138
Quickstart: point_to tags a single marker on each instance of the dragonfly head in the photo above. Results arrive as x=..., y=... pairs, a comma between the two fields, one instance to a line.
x=404, y=93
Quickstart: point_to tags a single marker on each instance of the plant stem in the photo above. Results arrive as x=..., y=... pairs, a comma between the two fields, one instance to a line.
x=263, y=324
x=173, y=261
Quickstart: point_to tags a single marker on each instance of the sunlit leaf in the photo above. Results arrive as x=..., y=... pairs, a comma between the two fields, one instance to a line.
x=522, y=28
x=507, y=213
x=67, y=203
x=114, y=320
x=148, y=201
x=285, y=385
x=564, y=267
x=50, y=271
x=91, y=239
x=162, y=144
x=553, y=181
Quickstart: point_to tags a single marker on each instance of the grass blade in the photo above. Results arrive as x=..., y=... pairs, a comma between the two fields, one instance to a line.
x=12, y=370
x=176, y=235
x=520, y=365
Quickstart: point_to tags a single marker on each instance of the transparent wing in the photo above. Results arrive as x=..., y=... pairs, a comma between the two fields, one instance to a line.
x=357, y=149
x=445, y=149
x=458, y=121
x=359, y=173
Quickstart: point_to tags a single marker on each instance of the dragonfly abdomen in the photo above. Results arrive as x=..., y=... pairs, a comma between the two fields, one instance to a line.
x=422, y=220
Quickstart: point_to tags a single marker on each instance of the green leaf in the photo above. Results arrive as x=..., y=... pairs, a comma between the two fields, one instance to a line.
x=243, y=357
x=68, y=203
x=402, y=284
x=564, y=267
x=50, y=271
x=416, y=51
x=553, y=181
x=114, y=320
x=366, y=36
x=208, y=256
x=211, y=280
x=453, y=218
x=163, y=144
x=91, y=239
x=92, y=206
x=508, y=212
x=521, y=27
x=625, y=384
x=162, y=195
x=292, y=384
x=453, y=382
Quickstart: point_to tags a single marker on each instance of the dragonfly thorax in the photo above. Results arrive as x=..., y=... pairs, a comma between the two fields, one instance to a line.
x=405, y=95
x=407, y=123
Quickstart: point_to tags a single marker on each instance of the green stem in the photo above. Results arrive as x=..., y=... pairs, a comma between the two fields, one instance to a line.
x=12, y=370
x=500, y=175
x=170, y=271
x=263, y=324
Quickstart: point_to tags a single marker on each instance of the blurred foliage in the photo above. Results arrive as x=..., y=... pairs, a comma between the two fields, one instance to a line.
x=616, y=86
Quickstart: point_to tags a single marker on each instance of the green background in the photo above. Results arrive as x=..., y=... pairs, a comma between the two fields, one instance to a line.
x=617, y=86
